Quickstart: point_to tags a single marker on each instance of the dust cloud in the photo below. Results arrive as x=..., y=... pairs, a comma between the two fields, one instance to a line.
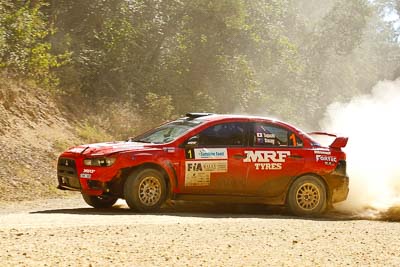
x=372, y=123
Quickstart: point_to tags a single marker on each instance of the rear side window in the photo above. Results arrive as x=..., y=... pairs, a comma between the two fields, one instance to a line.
x=225, y=134
x=270, y=135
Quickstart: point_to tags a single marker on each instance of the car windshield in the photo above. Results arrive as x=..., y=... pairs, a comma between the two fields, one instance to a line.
x=167, y=132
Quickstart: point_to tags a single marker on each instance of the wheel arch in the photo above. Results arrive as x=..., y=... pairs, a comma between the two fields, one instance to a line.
x=148, y=165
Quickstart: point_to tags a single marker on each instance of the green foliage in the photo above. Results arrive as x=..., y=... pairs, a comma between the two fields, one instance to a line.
x=139, y=63
x=158, y=108
x=23, y=46
x=348, y=18
x=282, y=58
x=330, y=38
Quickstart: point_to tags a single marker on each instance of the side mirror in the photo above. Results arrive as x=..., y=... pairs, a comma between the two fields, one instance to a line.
x=192, y=141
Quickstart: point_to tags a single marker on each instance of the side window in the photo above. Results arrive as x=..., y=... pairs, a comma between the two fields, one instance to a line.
x=226, y=134
x=274, y=136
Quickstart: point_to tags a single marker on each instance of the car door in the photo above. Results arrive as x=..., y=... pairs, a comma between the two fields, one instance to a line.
x=213, y=160
x=275, y=156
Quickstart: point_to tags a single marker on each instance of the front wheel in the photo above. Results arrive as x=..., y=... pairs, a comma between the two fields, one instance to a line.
x=145, y=190
x=100, y=202
x=307, y=196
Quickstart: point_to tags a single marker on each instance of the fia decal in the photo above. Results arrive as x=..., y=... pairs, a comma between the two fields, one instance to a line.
x=207, y=166
x=198, y=173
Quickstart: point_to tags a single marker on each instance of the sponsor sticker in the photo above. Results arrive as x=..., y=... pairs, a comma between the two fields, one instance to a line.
x=265, y=135
x=169, y=149
x=265, y=138
x=266, y=160
x=86, y=175
x=198, y=173
x=197, y=179
x=210, y=153
x=322, y=152
x=207, y=166
x=325, y=157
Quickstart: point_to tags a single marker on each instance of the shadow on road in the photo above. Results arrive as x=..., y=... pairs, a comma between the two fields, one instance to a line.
x=205, y=210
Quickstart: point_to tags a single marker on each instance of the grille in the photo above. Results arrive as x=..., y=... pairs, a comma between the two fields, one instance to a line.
x=66, y=173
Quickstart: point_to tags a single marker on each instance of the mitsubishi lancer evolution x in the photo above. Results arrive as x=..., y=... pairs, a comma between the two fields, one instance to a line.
x=210, y=157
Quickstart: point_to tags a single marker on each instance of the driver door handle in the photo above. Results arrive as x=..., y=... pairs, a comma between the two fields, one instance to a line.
x=295, y=156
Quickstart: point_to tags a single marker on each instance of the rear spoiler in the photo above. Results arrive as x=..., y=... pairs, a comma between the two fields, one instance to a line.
x=339, y=142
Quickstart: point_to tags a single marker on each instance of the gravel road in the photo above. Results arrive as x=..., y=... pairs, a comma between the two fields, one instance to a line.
x=66, y=232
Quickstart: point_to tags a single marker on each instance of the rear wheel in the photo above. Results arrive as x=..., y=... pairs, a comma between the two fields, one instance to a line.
x=307, y=196
x=100, y=201
x=145, y=190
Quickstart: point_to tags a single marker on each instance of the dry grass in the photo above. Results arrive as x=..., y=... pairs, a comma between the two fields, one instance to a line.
x=92, y=134
x=32, y=133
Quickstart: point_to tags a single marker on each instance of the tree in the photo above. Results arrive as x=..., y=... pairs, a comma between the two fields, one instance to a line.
x=24, y=49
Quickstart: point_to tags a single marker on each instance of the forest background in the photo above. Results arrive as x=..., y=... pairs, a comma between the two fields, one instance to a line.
x=118, y=67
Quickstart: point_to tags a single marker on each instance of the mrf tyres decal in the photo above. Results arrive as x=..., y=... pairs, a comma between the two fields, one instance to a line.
x=266, y=160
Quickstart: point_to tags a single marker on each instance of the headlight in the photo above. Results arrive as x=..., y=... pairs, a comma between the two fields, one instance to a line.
x=99, y=162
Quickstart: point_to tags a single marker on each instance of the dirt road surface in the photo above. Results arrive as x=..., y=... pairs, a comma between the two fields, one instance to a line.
x=66, y=232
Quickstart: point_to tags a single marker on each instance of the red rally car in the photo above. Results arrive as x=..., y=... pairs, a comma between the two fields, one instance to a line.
x=210, y=157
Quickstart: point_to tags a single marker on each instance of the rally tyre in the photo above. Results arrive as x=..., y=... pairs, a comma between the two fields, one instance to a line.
x=100, y=202
x=145, y=191
x=307, y=196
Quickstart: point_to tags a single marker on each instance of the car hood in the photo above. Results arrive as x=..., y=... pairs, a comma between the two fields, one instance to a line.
x=103, y=149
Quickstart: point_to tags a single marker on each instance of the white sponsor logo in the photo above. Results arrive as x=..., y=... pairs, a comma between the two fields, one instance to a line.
x=210, y=153
x=267, y=160
x=88, y=171
x=260, y=135
x=266, y=156
x=169, y=149
x=322, y=152
x=86, y=175
x=268, y=166
x=325, y=158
